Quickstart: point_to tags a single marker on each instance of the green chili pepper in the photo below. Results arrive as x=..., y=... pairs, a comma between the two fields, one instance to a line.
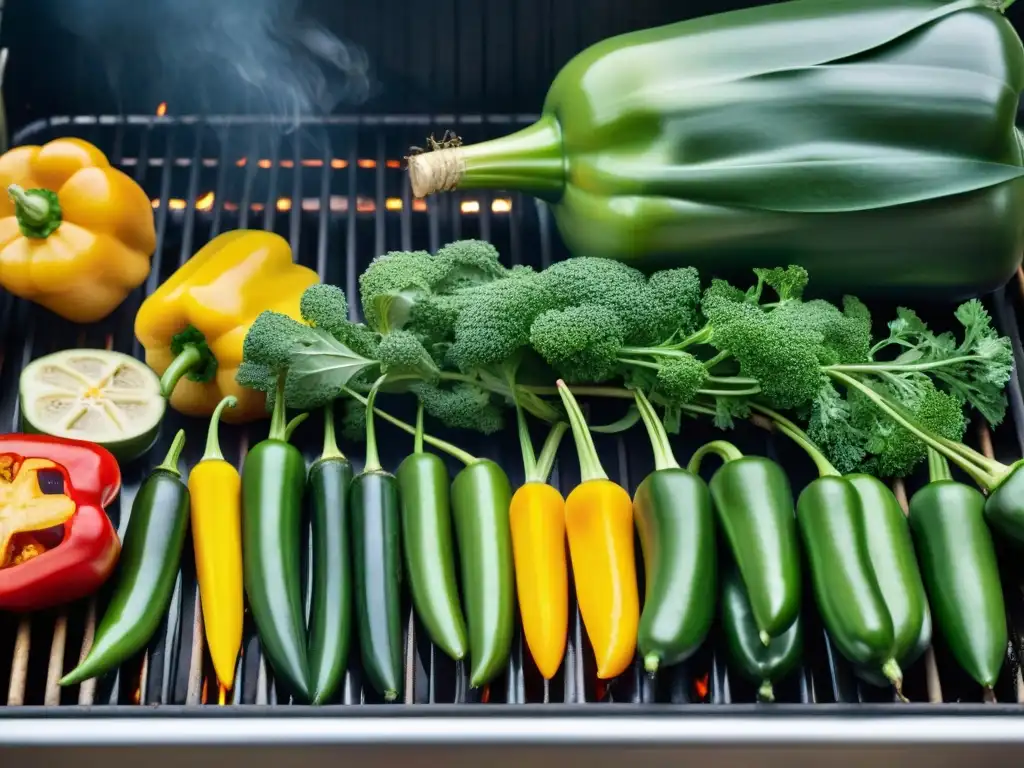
x=376, y=533
x=273, y=481
x=851, y=599
x=673, y=514
x=894, y=564
x=480, y=497
x=958, y=562
x=149, y=566
x=331, y=592
x=754, y=504
x=763, y=665
x=427, y=542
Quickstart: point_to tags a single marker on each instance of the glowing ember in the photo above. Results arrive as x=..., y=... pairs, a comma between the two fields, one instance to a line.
x=501, y=205
x=470, y=206
x=205, y=203
x=161, y=109
x=284, y=204
x=393, y=204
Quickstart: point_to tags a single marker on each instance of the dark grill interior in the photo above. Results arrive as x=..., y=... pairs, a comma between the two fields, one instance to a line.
x=335, y=189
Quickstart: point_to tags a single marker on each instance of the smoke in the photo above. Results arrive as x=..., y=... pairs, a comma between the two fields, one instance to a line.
x=265, y=54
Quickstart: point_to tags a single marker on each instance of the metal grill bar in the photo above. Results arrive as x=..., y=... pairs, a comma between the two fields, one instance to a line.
x=175, y=670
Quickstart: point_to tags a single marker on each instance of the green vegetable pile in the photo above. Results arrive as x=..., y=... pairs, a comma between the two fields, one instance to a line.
x=469, y=337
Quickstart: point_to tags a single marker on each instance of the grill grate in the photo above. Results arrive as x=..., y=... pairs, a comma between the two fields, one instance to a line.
x=334, y=188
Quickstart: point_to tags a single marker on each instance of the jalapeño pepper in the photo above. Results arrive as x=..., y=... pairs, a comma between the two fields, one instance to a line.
x=376, y=530
x=958, y=562
x=673, y=515
x=331, y=593
x=273, y=480
x=427, y=544
x=754, y=504
x=763, y=665
x=149, y=566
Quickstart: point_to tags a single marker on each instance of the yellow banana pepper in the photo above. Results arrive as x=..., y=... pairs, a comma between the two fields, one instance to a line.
x=192, y=327
x=76, y=234
x=215, y=488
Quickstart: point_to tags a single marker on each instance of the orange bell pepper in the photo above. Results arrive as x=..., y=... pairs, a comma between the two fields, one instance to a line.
x=76, y=235
x=193, y=326
x=537, y=518
x=599, y=524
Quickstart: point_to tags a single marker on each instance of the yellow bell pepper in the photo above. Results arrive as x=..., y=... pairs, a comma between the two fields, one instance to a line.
x=76, y=235
x=215, y=489
x=192, y=327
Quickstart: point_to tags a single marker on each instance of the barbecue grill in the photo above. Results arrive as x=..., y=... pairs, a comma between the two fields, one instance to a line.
x=334, y=186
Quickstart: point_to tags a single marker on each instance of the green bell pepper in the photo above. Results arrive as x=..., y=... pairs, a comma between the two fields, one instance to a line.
x=870, y=141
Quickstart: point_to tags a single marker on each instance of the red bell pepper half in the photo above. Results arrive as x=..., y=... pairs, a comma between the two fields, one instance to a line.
x=56, y=541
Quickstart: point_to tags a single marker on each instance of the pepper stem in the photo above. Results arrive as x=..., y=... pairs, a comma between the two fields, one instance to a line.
x=766, y=692
x=213, y=452
x=938, y=467
x=170, y=462
x=663, y=456
x=765, y=638
x=441, y=445
x=987, y=480
x=724, y=450
x=798, y=436
x=546, y=460
x=292, y=425
x=189, y=357
x=894, y=675
x=37, y=211
x=590, y=465
x=330, y=450
x=417, y=439
x=526, y=445
x=372, y=456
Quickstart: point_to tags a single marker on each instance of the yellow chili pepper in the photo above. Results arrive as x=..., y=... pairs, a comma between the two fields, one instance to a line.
x=215, y=488
x=75, y=234
x=193, y=325
x=599, y=523
x=537, y=518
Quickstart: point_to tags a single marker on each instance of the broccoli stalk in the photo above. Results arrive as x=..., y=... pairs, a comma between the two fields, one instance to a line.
x=442, y=445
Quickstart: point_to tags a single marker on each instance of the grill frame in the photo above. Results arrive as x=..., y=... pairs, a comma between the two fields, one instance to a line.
x=638, y=720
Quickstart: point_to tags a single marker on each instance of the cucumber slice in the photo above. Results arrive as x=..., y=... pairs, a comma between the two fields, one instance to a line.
x=96, y=395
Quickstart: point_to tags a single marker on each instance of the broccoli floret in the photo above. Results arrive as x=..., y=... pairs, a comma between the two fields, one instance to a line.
x=676, y=295
x=608, y=283
x=775, y=348
x=359, y=338
x=466, y=263
x=325, y=306
x=402, y=352
x=680, y=378
x=256, y=376
x=272, y=338
x=832, y=428
x=845, y=338
x=462, y=406
x=395, y=272
x=496, y=321
x=581, y=343
x=788, y=282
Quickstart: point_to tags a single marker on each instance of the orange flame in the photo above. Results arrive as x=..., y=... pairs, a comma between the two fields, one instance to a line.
x=205, y=203
x=284, y=204
x=501, y=205
x=470, y=206
x=161, y=109
x=393, y=204
x=366, y=163
x=700, y=686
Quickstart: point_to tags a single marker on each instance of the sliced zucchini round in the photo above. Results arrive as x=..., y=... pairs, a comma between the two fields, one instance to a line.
x=96, y=395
